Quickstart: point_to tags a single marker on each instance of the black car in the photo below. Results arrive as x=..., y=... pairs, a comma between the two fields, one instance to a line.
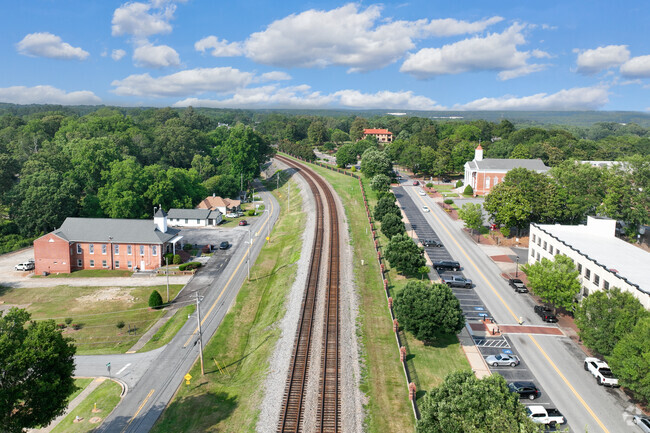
x=447, y=265
x=224, y=245
x=430, y=243
x=545, y=313
x=518, y=285
x=524, y=389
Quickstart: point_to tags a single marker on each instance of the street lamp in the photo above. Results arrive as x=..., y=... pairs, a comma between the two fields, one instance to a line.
x=110, y=240
x=517, y=270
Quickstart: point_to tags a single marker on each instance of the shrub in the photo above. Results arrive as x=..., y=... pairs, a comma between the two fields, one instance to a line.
x=155, y=300
x=353, y=169
x=189, y=266
x=77, y=326
x=459, y=183
x=120, y=324
x=177, y=259
x=429, y=185
x=187, y=247
x=392, y=225
x=468, y=190
x=61, y=325
x=169, y=257
x=250, y=212
x=505, y=231
x=449, y=201
x=68, y=320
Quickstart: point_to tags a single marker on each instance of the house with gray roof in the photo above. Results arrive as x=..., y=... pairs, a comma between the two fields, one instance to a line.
x=484, y=174
x=106, y=243
x=194, y=217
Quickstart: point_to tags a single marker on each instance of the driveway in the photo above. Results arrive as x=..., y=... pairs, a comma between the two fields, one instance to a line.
x=8, y=261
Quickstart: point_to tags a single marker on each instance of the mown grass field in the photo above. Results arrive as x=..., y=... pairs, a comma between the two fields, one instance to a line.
x=91, y=273
x=95, y=310
x=166, y=332
x=106, y=395
x=227, y=398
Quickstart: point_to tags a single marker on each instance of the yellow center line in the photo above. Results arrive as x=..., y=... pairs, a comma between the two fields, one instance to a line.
x=573, y=390
x=139, y=409
x=224, y=287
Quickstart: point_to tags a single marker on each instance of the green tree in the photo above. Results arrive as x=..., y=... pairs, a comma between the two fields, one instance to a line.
x=346, y=155
x=464, y=403
x=392, y=225
x=630, y=359
x=37, y=364
x=555, y=281
x=380, y=183
x=374, y=162
x=472, y=214
x=122, y=195
x=357, y=127
x=386, y=205
x=404, y=255
x=224, y=185
x=411, y=158
x=428, y=312
x=173, y=188
x=246, y=150
x=155, y=300
x=203, y=166
x=606, y=316
x=339, y=136
x=583, y=188
x=317, y=133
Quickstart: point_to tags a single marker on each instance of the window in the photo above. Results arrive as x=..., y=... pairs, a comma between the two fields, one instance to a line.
x=198, y=221
x=587, y=274
x=104, y=265
x=79, y=263
x=550, y=249
x=539, y=241
x=117, y=264
x=605, y=284
x=78, y=248
x=103, y=248
x=544, y=246
x=596, y=280
x=91, y=248
x=129, y=265
x=142, y=250
x=487, y=183
x=92, y=263
x=185, y=220
x=538, y=257
x=534, y=238
x=495, y=180
x=579, y=267
x=532, y=253
x=557, y=252
x=128, y=249
x=117, y=249
x=154, y=250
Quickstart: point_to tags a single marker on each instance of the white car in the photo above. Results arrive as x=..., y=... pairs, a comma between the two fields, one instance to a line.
x=425, y=208
x=25, y=266
x=422, y=193
x=643, y=422
x=502, y=360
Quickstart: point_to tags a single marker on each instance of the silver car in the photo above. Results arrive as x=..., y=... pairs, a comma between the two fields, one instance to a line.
x=643, y=422
x=499, y=360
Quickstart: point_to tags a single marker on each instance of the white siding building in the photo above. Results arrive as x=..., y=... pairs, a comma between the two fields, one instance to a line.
x=193, y=217
x=603, y=260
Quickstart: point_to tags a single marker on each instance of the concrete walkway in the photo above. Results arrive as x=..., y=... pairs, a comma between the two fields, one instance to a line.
x=73, y=404
x=152, y=331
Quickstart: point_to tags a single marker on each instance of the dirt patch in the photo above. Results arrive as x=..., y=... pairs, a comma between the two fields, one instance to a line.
x=108, y=294
x=6, y=307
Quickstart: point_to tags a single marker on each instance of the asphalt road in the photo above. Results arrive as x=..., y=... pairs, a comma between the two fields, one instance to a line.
x=554, y=363
x=154, y=377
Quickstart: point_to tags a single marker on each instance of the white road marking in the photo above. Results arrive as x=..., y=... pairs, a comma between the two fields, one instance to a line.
x=122, y=369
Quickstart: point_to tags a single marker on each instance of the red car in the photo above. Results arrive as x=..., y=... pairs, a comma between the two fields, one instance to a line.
x=243, y=223
x=415, y=182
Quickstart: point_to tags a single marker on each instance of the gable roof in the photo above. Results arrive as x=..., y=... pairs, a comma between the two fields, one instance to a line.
x=376, y=131
x=120, y=230
x=213, y=202
x=508, y=164
x=201, y=214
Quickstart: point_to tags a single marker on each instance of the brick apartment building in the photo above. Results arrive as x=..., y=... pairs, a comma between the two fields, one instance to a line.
x=105, y=243
x=382, y=135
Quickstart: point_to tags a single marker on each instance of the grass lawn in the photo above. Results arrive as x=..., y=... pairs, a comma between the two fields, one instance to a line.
x=81, y=384
x=227, y=399
x=106, y=395
x=166, y=332
x=96, y=310
x=91, y=273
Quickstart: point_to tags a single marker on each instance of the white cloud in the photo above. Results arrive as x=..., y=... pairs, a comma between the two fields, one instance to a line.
x=155, y=56
x=593, y=61
x=117, y=54
x=577, y=98
x=539, y=54
x=184, y=83
x=346, y=36
x=386, y=99
x=636, y=67
x=520, y=72
x=220, y=48
x=48, y=45
x=137, y=19
x=497, y=52
x=46, y=95
x=275, y=76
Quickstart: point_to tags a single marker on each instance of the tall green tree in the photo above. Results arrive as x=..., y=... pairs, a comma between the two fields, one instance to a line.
x=472, y=214
x=123, y=193
x=630, y=360
x=357, y=127
x=606, y=316
x=405, y=255
x=374, y=162
x=380, y=183
x=464, y=403
x=346, y=155
x=386, y=205
x=339, y=136
x=36, y=368
x=392, y=225
x=428, y=311
x=583, y=189
x=317, y=133
x=555, y=281
x=173, y=188
x=246, y=150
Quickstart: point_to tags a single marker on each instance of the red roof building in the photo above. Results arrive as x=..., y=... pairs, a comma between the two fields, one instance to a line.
x=382, y=135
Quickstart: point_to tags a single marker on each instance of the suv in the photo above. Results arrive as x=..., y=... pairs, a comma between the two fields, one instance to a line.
x=455, y=281
x=524, y=389
x=545, y=313
x=446, y=265
x=224, y=245
x=518, y=285
x=430, y=243
x=25, y=266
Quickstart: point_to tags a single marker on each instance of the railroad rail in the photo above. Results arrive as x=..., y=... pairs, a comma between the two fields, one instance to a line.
x=328, y=412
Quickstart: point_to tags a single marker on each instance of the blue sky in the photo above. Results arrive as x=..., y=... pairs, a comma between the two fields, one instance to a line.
x=416, y=55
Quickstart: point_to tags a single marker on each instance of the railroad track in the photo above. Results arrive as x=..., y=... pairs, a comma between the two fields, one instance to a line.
x=328, y=412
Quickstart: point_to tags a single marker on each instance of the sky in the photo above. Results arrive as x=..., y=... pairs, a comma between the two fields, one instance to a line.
x=405, y=55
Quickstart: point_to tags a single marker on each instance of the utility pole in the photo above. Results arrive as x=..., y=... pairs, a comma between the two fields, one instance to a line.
x=167, y=274
x=250, y=245
x=198, y=320
x=241, y=182
x=288, y=195
x=277, y=180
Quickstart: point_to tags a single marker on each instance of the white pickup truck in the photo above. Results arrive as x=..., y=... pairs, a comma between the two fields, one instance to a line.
x=541, y=415
x=601, y=371
x=25, y=266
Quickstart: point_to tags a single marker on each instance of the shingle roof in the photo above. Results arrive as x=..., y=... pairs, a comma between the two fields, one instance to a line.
x=508, y=164
x=193, y=213
x=376, y=131
x=213, y=202
x=121, y=230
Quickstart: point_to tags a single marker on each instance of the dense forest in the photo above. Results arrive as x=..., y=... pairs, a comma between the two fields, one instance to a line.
x=119, y=162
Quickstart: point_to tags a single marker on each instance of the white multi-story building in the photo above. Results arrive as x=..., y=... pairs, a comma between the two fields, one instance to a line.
x=603, y=260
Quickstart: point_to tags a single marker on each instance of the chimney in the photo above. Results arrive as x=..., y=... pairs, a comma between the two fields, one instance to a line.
x=478, y=153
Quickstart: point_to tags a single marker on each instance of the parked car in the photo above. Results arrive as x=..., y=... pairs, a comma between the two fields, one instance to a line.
x=25, y=266
x=446, y=180
x=643, y=422
x=524, y=389
x=425, y=208
x=518, y=285
x=421, y=192
x=415, y=183
x=541, y=415
x=243, y=223
x=456, y=281
x=545, y=313
x=446, y=265
x=224, y=245
x=430, y=243
x=501, y=360
x=601, y=371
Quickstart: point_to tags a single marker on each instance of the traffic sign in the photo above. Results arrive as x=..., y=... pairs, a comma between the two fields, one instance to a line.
x=187, y=378
x=507, y=351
